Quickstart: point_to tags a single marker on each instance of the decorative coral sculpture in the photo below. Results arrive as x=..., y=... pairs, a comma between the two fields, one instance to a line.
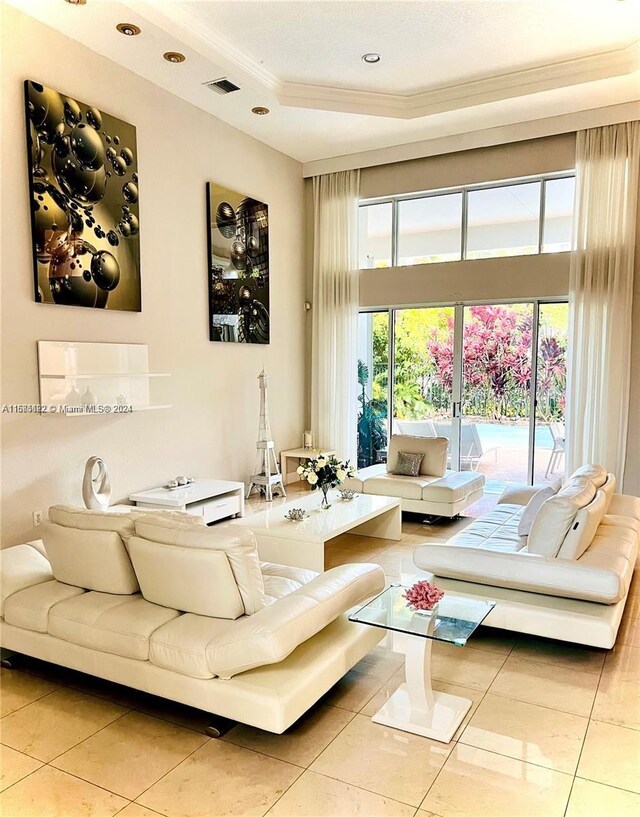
x=423, y=596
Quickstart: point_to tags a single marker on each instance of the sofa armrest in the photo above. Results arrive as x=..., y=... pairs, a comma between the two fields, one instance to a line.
x=271, y=634
x=22, y=566
x=526, y=571
x=519, y=494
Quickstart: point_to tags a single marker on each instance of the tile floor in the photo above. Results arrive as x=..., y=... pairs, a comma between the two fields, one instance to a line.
x=554, y=730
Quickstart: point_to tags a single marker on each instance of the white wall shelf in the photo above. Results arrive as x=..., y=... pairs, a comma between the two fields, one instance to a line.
x=77, y=379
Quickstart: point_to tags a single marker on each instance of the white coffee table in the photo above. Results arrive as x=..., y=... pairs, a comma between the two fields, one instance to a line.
x=301, y=544
x=213, y=499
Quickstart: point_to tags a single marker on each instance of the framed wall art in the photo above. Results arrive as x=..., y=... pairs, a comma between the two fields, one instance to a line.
x=84, y=187
x=238, y=255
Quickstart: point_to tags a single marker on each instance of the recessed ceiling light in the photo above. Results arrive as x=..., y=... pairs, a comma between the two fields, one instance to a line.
x=259, y=110
x=174, y=56
x=371, y=58
x=77, y=2
x=128, y=29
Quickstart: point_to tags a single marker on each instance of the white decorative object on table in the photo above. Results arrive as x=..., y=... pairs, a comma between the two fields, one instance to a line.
x=179, y=482
x=267, y=475
x=296, y=515
x=213, y=499
x=96, y=490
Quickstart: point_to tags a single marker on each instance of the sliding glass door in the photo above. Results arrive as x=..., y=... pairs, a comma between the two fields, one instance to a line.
x=468, y=373
x=496, y=390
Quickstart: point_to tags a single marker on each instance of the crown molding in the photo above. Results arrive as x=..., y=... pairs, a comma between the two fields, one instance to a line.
x=471, y=140
x=241, y=66
x=603, y=65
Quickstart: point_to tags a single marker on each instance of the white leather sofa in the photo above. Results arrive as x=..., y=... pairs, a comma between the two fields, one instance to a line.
x=568, y=579
x=185, y=612
x=435, y=491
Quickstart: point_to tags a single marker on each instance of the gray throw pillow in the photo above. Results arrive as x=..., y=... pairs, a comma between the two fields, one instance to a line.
x=408, y=465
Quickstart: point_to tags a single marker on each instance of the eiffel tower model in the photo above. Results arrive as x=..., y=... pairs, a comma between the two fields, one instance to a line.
x=267, y=476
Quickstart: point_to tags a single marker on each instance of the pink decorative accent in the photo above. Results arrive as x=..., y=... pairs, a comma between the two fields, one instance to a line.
x=423, y=596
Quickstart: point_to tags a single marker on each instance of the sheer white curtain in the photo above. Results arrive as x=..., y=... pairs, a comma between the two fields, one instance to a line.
x=335, y=311
x=600, y=296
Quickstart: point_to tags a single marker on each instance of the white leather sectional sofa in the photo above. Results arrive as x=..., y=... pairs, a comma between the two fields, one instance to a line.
x=185, y=612
x=568, y=579
x=435, y=491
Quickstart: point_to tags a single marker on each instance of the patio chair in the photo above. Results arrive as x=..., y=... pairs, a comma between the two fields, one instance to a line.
x=557, y=434
x=414, y=428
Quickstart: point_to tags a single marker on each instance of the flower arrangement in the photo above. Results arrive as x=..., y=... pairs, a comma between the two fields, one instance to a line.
x=325, y=472
x=423, y=596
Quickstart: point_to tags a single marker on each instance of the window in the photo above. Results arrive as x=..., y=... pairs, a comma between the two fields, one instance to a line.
x=520, y=217
x=430, y=229
x=503, y=221
x=558, y=214
x=374, y=235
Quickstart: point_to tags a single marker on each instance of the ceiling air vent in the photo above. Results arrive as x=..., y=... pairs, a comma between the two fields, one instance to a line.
x=222, y=86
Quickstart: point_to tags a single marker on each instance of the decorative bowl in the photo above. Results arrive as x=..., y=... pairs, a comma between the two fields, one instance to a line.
x=179, y=482
x=347, y=494
x=296, y=515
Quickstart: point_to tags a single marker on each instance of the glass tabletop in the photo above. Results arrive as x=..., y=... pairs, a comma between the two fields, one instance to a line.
x=454, y=621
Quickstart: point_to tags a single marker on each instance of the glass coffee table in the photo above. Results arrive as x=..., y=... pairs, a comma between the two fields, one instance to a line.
x=414, y=706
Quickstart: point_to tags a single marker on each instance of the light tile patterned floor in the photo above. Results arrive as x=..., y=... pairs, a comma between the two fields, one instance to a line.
x=554, y=730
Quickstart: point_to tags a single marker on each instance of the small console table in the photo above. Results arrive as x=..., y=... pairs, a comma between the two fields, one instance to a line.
x=298, y=454
x=213, y=499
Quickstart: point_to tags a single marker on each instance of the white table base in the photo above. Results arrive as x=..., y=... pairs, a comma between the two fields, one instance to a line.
x=414, y=706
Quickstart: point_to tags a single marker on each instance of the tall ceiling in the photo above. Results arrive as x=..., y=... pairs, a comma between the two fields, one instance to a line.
x=447, y=67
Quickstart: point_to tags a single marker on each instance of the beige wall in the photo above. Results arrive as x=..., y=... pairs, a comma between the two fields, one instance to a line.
x=211, y=429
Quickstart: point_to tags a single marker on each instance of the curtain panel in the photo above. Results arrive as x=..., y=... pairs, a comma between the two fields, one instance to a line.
x=600, y=296
x=335, y=311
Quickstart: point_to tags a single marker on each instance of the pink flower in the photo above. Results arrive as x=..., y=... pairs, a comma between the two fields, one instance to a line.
x=423, y=595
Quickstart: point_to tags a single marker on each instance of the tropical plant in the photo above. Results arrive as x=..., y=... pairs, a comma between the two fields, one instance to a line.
x=372, y=436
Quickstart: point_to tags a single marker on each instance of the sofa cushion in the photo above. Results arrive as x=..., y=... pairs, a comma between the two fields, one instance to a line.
x=21, y=566
x=181, y=645
x=392, y=485
x=121, y=625
x=596, y=473
x=30, y=608
x=433, y=449
x=454, y=487
x=533, y=506
x=496, y=530
x=189, y=579
x=583, y=528
x=603, y=577
x=556, y=516
x=238, y=543
x=87, y=549
x=280, y=580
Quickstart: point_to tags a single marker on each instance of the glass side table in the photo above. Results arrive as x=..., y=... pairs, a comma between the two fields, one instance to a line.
x=414, y=706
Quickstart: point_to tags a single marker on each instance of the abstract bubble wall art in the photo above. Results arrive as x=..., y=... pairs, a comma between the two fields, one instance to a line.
x=83, y=177
x=238, y=231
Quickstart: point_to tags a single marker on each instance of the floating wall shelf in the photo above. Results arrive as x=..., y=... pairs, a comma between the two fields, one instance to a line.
x=99, y=378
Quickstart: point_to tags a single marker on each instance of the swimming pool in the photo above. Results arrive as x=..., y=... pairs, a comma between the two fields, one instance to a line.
x=496, y=435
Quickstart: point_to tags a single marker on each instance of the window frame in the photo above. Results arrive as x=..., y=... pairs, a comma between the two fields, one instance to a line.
x=464, y=190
